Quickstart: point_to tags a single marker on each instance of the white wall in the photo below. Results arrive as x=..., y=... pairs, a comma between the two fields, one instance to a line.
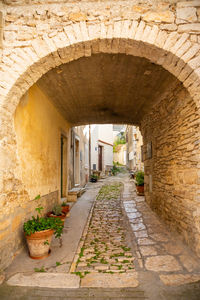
x=106, y=133
x=100, y=134
x=94, y=146
x=107, y=155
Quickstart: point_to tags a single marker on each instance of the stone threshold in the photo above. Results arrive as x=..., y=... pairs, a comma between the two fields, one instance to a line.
x=69, y=281
x=48, y=280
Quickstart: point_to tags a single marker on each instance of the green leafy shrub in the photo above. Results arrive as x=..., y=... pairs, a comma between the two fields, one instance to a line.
x=64, y=204
x=115, y=170
x=40, y=223
x=120, y=140
x=57, y=210
x=139, y=178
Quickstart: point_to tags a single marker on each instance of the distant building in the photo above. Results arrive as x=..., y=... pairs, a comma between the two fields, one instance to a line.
x=79, y=157
x=102, y=147
x=119, y=128
x=134, y=144
x=119, y=154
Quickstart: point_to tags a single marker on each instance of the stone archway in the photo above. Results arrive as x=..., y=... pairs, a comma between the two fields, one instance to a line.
x=171, y=51
x=129, y=37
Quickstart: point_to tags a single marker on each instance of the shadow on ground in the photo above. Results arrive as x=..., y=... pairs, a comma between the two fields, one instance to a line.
x=188, y=292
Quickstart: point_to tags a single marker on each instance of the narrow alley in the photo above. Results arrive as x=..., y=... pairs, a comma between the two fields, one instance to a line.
x=121, y=251
x=99, y=149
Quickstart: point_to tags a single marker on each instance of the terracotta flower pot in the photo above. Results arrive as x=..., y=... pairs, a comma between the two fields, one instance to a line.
x=62, y=217
x=39, y=243
x=65, y=209
x=140, y=189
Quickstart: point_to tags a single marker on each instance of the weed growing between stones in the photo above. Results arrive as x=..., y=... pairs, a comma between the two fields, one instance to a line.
x=42, y=269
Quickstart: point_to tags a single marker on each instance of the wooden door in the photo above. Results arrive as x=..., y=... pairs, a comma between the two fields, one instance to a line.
x=100, y=158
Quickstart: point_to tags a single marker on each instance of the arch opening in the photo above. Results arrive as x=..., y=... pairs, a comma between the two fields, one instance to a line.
x=116, y=88
x=93, y=87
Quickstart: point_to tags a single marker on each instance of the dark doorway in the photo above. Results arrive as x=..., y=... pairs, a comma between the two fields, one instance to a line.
x=100, y=158
x=77, y=162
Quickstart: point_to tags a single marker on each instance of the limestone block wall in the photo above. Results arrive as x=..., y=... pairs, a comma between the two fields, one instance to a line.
x=24, y=22
x=171, y=175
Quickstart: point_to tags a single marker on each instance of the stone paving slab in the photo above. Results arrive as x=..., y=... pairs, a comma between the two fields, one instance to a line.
x=110, y=280
x=50, y=280
x=179, y=279
x=164, y=263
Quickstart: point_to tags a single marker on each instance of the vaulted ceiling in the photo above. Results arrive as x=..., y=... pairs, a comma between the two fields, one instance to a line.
x=107, y=88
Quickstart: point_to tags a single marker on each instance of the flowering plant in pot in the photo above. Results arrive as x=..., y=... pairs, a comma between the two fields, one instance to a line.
x=139, y=181
x=39, y=231
x=57, y=213
x=65, y=207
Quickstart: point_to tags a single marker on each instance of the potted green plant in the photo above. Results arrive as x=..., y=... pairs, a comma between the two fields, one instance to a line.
x=57, y=213
x=115, y=170
x=65, y=207
x=39, y=231
x=139, y=181
x=93, y=178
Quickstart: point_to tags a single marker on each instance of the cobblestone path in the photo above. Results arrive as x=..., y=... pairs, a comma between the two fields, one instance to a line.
x=105, y=249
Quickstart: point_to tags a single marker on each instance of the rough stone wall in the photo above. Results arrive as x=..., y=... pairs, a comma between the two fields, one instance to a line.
x=23, y=24
x=173, y=128
x=25, y=2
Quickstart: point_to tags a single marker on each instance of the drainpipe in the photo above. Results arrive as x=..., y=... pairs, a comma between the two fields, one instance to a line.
x=89, y=152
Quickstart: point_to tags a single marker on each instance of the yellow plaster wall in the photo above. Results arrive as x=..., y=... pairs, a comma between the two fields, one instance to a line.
x=119, y=155
x=38, y=128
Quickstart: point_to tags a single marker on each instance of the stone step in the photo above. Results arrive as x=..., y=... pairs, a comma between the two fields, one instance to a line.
x=74, y=193
x=49, y=280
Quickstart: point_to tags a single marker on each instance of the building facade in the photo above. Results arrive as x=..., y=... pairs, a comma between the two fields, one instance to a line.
x=102, y=148
x=120, y=155
x=134, y=144
x=120, y=148
x=79, y=157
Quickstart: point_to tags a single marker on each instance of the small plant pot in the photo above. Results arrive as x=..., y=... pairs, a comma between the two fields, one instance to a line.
x=39, y=243
x=93, y=180
x=140, y=189
x=62, y=217
x=65, y=209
